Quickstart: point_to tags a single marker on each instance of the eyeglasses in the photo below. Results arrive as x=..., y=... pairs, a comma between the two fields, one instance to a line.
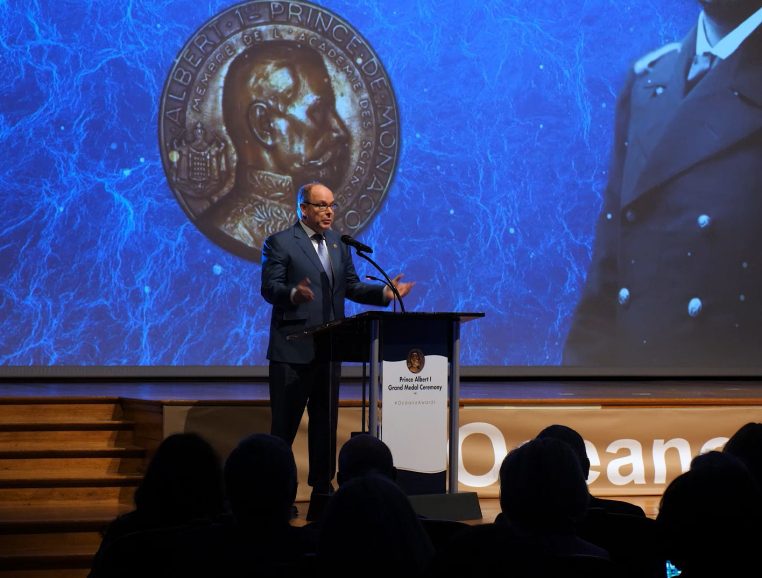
x=322, y=207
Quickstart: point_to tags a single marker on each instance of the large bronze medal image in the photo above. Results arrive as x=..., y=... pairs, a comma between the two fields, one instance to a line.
x=268, y=96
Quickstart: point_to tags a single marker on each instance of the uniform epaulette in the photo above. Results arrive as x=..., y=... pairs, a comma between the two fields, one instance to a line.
x=645, y=62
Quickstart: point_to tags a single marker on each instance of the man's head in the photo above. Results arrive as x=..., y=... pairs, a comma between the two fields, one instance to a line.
x=280, y=112
x=731, y=12
x=315, y=206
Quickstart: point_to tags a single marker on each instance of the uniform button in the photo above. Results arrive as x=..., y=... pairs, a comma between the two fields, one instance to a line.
x=704, y=221
x=630, y=216
x=624, y=296
x=694, y=307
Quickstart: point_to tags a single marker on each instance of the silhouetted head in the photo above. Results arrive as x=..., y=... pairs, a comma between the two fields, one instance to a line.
x=746, y=444
x=710, y=517
x=542, y=487
x=183, y=480
x=573, y=439
x=260, y=479
x=364, y=454
x=370, y=527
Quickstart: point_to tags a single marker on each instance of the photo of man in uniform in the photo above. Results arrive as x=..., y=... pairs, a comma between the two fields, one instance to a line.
x=676, y=273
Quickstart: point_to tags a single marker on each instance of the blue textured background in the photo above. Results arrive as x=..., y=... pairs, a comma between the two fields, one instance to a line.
x=506, y=115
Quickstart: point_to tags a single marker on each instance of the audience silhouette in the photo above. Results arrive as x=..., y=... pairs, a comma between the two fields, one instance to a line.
x=369, y=528
x=182, y=484
x=619, y=527
x=710, y=517
x=709, y=521
x=543, y=496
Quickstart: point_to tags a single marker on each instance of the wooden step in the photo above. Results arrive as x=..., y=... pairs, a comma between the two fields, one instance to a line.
x=69, y=466
x=53, y=426
x=61, y=411
x=57, y=496
x=44, y=543
x=81, y=438
x=73, y=558
x=66, y=449
x=85, y=515
x=46, y=572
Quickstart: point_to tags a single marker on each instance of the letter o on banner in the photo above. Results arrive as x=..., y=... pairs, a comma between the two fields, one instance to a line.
x=499, y=449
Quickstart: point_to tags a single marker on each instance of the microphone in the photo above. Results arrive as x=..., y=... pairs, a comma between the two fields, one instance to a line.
x=347, y=240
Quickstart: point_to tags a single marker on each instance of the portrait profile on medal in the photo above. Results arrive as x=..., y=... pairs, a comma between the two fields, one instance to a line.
x=415, y=360
x=279, y=110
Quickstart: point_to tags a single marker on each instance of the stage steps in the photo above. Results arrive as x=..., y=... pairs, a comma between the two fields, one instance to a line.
x=68, y=467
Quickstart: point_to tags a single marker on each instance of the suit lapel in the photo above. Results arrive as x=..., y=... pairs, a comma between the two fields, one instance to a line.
x=724, y=108
x=655, y=99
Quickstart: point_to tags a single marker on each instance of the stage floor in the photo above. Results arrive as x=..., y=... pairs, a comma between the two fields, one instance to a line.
x=608, y=392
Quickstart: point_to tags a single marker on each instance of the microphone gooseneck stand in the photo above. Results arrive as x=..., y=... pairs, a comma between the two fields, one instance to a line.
x=388, y=281
x=396, y=293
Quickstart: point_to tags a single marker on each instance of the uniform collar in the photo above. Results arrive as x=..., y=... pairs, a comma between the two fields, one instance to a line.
x=730, y=43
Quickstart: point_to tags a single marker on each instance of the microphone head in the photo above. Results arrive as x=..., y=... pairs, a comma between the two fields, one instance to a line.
x=347, y=240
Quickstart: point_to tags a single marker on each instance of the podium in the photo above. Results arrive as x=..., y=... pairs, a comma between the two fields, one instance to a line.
x=414, y=394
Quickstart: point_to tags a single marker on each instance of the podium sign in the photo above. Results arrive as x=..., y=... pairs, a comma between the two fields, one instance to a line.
x=415, y=401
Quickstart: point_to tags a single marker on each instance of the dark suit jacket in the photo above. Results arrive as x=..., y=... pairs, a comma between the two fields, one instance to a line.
x=676, y=272
x=288, y=257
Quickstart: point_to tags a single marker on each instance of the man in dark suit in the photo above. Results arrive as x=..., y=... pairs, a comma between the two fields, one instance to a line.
x=676, y=272
x=307, y=272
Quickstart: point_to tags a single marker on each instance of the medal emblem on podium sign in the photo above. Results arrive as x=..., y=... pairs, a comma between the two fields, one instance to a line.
x=263, y=98
x=415, y=360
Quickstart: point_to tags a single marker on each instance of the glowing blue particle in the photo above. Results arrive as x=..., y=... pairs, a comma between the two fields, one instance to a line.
x=146, y=289
x=142, y=159
x=623, y=296
x=694, y=307
x=452, y=211
x=542, y=67
x=609, y=216
x=217, y=270
x=126, y=172
x=512, y=231
x=112, y=146
x=704, y=221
